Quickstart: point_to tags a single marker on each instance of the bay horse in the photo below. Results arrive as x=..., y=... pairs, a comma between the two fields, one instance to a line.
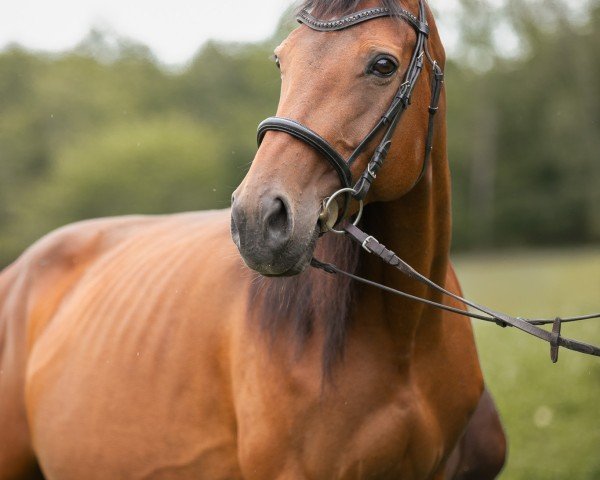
x=145, y=348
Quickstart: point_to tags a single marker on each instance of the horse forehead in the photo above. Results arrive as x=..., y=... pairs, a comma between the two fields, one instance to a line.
x=305, y=43
x=354, y=42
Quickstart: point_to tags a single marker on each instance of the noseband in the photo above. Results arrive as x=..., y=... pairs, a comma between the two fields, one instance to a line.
x=390, y=118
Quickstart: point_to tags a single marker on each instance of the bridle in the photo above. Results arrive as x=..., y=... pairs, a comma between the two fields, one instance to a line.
x=330, y=212
x=390, y=119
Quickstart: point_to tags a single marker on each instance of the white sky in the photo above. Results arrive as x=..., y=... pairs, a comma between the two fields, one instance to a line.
x=173, y=29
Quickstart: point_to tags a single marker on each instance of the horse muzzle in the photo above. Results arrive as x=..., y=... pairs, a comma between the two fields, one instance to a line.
x=272, y=238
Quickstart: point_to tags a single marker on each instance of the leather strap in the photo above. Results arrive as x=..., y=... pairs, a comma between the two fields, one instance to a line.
x=437, y=81
x=358, y=17
x=554, y=338
x=302, y=132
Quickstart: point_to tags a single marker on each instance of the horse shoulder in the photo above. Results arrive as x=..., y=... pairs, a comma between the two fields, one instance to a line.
x=51, y=267
x=449, y=343
x=447, y=373
x=16, y=455
x=480, y=452
x=143, y=317
x=30, y=290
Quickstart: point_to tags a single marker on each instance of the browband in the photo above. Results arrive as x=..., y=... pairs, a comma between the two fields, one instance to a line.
x=358, y=17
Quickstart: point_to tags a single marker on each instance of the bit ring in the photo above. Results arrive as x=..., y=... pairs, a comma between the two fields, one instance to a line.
x=330, y=200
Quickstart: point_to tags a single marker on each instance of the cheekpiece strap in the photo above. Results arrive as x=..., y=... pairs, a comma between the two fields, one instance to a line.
x=358, y=17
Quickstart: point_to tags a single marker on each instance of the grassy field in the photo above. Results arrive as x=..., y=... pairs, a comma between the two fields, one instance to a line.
x=551, y=412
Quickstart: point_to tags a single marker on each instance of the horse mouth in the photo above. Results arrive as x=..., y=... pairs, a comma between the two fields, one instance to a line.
x=293, y=260
x=296, y=269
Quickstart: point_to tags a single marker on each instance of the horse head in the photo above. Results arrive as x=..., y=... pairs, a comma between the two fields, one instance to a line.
x=336, y=84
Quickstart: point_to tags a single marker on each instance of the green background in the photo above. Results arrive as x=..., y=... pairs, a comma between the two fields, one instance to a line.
x=106, y=129
x=551, y=412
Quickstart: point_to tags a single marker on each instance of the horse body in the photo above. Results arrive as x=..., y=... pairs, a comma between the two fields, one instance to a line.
x=134, y=371
x=142, y=347
x=120, y=378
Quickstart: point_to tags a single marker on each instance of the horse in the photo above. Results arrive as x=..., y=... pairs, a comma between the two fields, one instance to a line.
x=157, y=347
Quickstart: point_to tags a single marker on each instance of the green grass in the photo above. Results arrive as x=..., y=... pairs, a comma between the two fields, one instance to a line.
x=551, y=413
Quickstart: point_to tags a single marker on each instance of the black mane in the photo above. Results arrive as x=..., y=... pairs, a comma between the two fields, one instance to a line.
x=297, y=305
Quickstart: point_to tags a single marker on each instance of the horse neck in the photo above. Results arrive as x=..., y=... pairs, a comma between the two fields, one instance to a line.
x=418, y=228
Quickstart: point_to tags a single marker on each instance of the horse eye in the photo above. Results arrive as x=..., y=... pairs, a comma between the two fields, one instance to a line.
x=383, y=67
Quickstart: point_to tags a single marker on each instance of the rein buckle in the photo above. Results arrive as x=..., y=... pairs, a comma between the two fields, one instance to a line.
x=364, y=243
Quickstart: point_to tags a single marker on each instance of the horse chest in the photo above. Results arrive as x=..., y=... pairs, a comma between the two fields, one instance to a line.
x=364, y=428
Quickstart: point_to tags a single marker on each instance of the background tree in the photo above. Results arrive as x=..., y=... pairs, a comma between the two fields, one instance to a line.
x=105, y=129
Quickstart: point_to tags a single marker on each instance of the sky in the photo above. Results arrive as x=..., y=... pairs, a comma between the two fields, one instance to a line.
x=173, y=29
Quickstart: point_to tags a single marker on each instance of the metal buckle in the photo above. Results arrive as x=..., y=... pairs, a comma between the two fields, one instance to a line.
x=364, y=244
x=371, y=172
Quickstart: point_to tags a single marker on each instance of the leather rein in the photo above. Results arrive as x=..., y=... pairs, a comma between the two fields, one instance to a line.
x=330, y=217
x=530, y=326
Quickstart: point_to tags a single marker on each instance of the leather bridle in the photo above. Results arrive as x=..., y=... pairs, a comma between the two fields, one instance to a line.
x=388, y=122
x=329, y=216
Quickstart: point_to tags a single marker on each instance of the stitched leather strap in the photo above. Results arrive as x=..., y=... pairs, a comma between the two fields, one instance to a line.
x=302, y=132
x=358, y=17
x=437, y=81
x=554, y=338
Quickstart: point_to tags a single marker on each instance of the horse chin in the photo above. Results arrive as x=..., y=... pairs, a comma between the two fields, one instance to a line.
x=292, y=261
x=296, y=269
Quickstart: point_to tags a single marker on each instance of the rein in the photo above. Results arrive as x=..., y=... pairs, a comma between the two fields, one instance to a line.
x=530, y=326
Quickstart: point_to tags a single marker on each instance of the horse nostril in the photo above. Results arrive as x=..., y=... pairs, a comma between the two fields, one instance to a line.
x=277, y=221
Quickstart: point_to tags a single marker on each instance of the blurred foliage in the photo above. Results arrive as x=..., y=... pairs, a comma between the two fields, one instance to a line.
x=105, y=129
x=525, y=150
x=549, y=411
